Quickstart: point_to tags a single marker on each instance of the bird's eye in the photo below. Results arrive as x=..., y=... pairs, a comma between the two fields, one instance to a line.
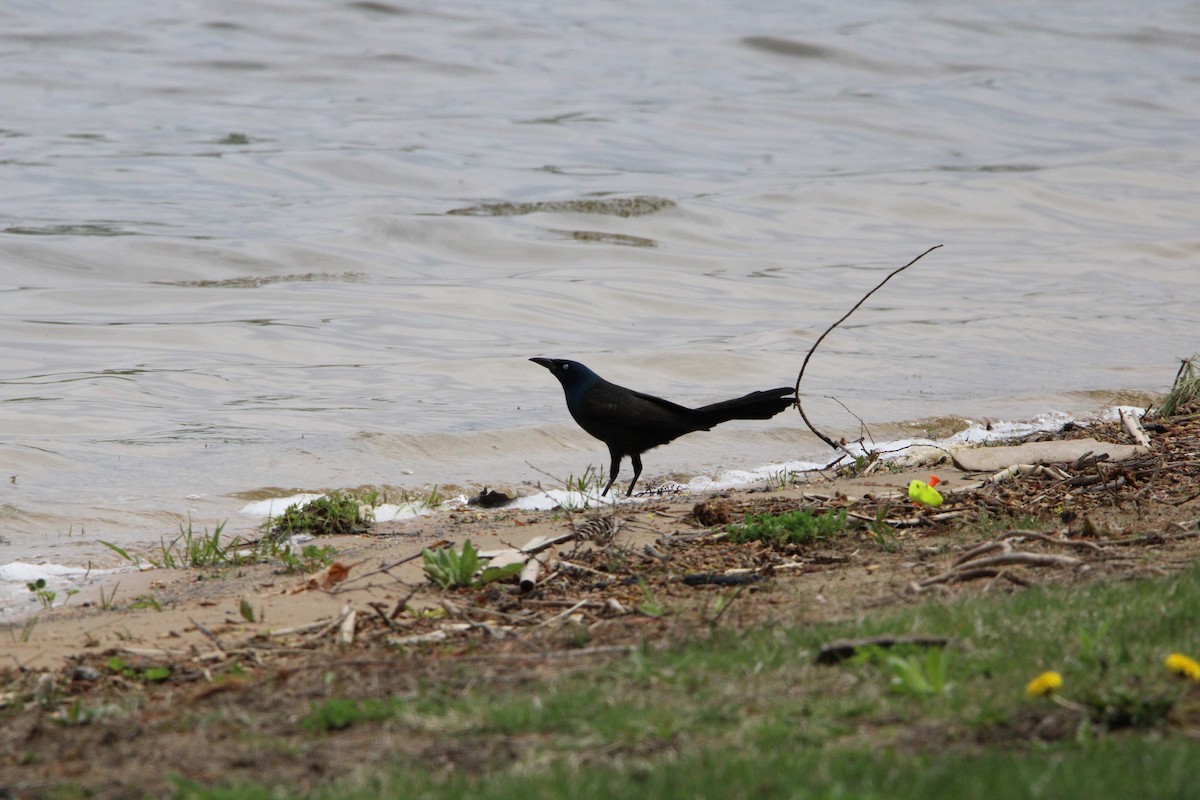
x=566, y=366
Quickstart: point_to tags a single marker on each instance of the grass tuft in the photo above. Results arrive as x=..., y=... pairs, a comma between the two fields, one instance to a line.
x=336, y=513
x=1184, y=396
x=448, y=568
x=192, y=549
x=791, y=527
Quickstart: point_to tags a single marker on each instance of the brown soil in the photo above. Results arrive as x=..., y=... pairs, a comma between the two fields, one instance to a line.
x=237, y=689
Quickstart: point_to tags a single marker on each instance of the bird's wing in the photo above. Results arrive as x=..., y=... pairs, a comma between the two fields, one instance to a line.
x=617, y=407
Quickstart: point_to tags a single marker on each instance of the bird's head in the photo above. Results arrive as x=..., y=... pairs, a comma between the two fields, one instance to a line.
x=569, y=373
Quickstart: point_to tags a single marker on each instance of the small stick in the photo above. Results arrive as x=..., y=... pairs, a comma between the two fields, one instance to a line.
x=535, y=545
x=988, y=564
x=842, y=649
x=345, y=634
x=571, y=566
x=1083, y=544
x=1133, y=426
x=563, y=615
x=211, y=636
x=956, y=575
x=986, y=547
x=829, y=330
x=305, y=628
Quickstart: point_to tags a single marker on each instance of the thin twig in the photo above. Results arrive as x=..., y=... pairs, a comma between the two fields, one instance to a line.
x=211, y=636
x=829, y=330
x=563, y=615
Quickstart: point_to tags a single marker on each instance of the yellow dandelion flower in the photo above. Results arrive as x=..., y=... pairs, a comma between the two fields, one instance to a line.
x=1046, y=683
x=1182, y=665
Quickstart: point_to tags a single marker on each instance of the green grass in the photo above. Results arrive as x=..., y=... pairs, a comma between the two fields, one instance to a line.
x=336, y=513
x=449, y=568
x=1185, y=391
x=748, y=713
x=1141, y=768
x=338, y=713
x=190, y=549
x=791, y=527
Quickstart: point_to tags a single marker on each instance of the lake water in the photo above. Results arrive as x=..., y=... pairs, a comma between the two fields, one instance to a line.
x=254, y=248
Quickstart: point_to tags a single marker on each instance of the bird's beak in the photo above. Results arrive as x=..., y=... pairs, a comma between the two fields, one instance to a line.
x=545, y=362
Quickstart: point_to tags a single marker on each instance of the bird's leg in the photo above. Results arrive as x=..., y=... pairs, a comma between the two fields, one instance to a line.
x=612, y=470
x=636, y=460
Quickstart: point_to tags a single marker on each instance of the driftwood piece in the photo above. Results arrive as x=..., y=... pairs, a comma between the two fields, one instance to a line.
x=711, y=579
x=842, y=649
x=1132, y=424
x=307, y=627
x=1028, y=470
x=1064, y=451
x=988, y=560
x=535, y=545
x=570, y=566
x=345, y=634
x=529, y=575
x=1002, y=560
x=1081, y=544
x=440, y=635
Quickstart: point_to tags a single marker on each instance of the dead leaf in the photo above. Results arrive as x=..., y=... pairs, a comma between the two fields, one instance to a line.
x=327, y=578
x=334, y=574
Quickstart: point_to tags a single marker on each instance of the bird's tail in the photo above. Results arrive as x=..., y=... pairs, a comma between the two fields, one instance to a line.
x=756, y=405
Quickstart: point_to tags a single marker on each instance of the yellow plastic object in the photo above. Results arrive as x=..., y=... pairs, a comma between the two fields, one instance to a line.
x=923, y=494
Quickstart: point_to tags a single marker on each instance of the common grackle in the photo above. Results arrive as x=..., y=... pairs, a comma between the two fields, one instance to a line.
x=630, y=422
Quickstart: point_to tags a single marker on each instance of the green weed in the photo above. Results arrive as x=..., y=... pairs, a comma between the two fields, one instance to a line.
x=145, y=601
x=432, y=499
x=134, y=560
x=338, y=713
x=917, y=675
x=650, y=605
x=791, y=527
x=334, y=514
x=778, y=481
x=106, y=600
x=192, y=549
x=883, y=533
x=118, y=666
x=1185, y=391
x=45, y=596
x=310, y=557
x=457, y=569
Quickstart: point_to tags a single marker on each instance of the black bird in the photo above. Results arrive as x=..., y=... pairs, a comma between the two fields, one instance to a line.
x=630, y=422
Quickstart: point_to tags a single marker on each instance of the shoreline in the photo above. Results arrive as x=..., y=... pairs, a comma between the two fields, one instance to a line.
x=71, y=581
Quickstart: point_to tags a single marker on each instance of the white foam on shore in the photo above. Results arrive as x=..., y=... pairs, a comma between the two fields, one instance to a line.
x=386, y=512
x=16, y=596
x=915, y=449
x=274, y=506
